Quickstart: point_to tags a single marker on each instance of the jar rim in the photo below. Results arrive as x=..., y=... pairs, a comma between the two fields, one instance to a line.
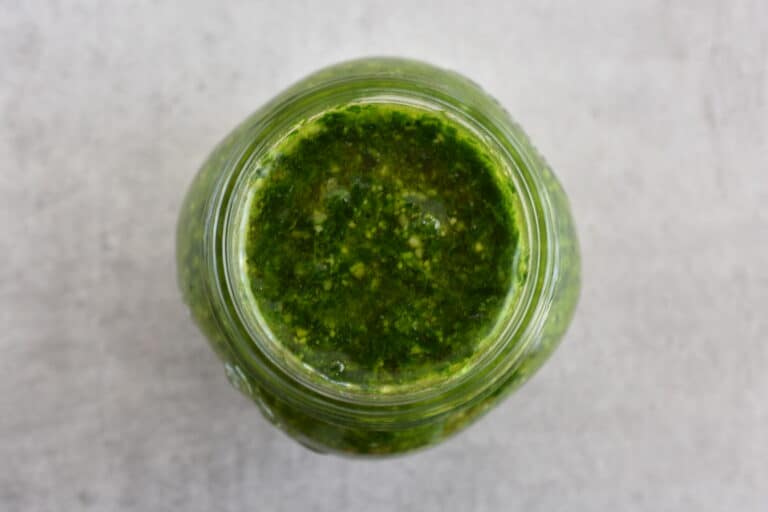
x=366, y=80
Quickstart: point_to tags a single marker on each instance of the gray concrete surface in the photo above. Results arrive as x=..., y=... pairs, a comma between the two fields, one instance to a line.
x=655, y=115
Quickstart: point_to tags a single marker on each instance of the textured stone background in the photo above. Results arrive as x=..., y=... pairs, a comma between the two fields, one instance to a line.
x=654, y=114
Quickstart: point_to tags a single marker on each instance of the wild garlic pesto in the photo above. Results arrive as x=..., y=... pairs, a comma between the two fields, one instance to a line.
x=378, y=256
x=381, y=244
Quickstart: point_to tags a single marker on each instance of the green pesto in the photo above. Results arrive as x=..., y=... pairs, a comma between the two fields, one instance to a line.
x=381, y=244
x=325, y=416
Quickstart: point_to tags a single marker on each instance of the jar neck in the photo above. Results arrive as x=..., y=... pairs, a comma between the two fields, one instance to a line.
x=472, y=108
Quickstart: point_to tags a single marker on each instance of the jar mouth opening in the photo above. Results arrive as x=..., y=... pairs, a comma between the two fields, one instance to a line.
x=503, y=342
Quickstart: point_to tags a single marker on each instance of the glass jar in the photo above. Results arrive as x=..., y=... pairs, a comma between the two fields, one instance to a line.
x=334, y=419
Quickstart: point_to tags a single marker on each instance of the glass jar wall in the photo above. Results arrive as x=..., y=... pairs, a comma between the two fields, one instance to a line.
x=378, y=255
